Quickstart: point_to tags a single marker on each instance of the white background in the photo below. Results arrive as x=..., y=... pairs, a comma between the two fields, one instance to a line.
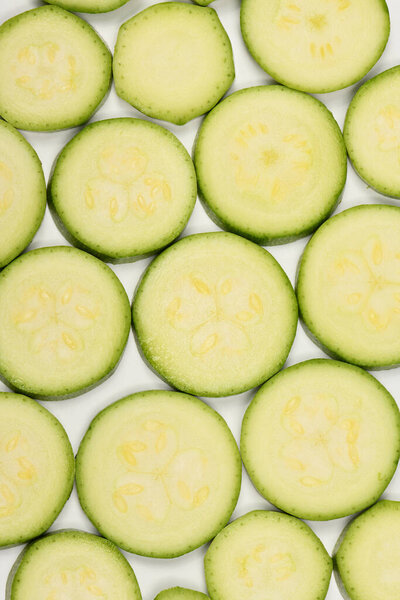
x=132, y=374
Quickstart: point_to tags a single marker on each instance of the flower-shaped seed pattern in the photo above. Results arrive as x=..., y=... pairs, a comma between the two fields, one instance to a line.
x=265, y=563
x=55, y=321
x=367, y=283
x=158, y=474
x=6, y=190
x=80, y=583
x=16, y=472
x=387, y=128
x=223, y=313
x=323, y=438
x=45, y=70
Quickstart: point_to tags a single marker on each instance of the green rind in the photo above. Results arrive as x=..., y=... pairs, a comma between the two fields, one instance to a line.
x=203, y=2
x=288, y=508
x=304, y=88
x=179, y=593
x=69, y=232
x=364, y=89
x=41, y=196
x=80, y=478
x=101, y=91
x=173, y=381
x=12, y=581
x=194, y=112
x=263, y=514
x=69, y=479
x=225, y=223
x=345, y=538
x=71, y=392
x=80, y=7
x=307, y=323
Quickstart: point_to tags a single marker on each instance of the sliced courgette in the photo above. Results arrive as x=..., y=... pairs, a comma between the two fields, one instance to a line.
x=179, y=593
x=88, y=6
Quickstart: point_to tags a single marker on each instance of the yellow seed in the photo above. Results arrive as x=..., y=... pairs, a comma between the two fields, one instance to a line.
x=277, y=557
x=322, y=51
x=66, y=297
x=184, y=491
x=294, y=7
x=209, y=343
x=161, y=442
x=295, y=464
x=84, y=312
x=5, y=171
x=289, y=138
x=330, y=415
x=374, y=319
x=113, y=207
x=26, y=316
x=297, y=427
x=130, y=489
x=354, y=456
x=120, y=503
x=244, y=315
x=166, y=191
x=200, y=286
x=153, y=425
x=257, y=551
x=23, y=81
x=239, y=139
x=137, y=446
x=377, y=253
x=226, y=287
x=263, y=128
x=234, y=156
x=354, y=298
x=95, y=590
x=201, y=496
x=52, y=50
x=313, y=49
x=292, y=405
x=44, y=295
x=28, y=470
x=69, y=341
x=89, y=198
x=329, y=49
x=344, y=4
x=290, y=20
x=128, y=455
x=64, y=577
x=251, y=130
x=13, y=442
x=7, y=493
x=71, y=61
x=249, y=583
x=283, y=573
x=145, y=512
x=310, y=481
x=255, y=303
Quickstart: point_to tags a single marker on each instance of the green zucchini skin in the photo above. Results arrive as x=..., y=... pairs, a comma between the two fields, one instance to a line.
x=179, y=593
x=88, y=6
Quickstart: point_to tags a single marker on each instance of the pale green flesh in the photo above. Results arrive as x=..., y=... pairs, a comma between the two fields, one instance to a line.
x=173, y=61
x=368, y=555
x=215, y=315
x=123, y=188
x=22, y=193
x=332, y=436
x=158, y=473
x=271, y=163
x=178, y=593
x=64, y=322
x=372, y=132
x=315, y=45
x=54, y=67
x=267, y=554
x=74, y=565
x=349, y=286
x=89, y=6
x=37, y=469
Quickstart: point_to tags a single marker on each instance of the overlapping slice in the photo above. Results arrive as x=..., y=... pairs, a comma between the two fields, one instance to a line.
x=271, y=163
x=54, y=68
x=372, y=132
x=64, y=322
x=36, y=469
x=315, y=45
x=158, y=473
x=321, y=440
x=179, y=593
x=367, y=558
x=173, y=61
x=215, y=315
x=89, y=6
x=72, y=565
x=267, y=554
x=22, y=193
x=349, y=286
x=123, y=188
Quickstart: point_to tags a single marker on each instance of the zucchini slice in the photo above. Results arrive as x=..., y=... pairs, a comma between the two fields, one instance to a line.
x=158, y=473
x=22, y=193
x=331, y=433
x=367, y=559
x=179, y=593
x=36, y=469
x=64, y=322
x=215, y=315
x=54, y=69
x=271, y=163
x=173, y=61
x=372, y=132
x=349, y=286
x=267, y=554
x=123, y=188
x=315, y=46
x=88, y=6
x=72, y=565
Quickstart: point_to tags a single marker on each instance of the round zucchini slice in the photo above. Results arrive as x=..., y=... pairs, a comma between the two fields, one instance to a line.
x=64, y=322
x=315, y=46
x=123, y=188
x=36, y=469
x=271, y=163
x=54, y=68
x=267, y=554
x=367, y=559
x=331, y=433
x=215, y=315
x=22, y=193
x=372, y=132
x=88, y=6
x=74, y=565
x=158, y=473
x=173, y=61
x=349, y=286
x=179, y=593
